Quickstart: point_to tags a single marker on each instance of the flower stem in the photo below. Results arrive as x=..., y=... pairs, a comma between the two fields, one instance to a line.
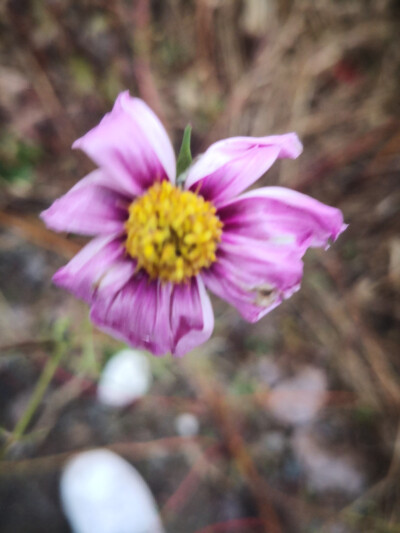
x=185, y=156
x=38, y=393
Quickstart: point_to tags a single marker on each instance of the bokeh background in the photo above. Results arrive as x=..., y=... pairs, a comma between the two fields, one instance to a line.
x=298, y=414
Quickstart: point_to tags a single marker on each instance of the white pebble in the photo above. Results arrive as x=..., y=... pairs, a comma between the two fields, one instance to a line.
x=326, y=470
x=103, y=493
x=274, y=441
x=187, y=425
x=297, y=400
x=125, y=378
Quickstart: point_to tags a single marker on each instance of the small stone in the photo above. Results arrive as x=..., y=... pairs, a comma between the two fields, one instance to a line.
x=103, y=493
x=324, y=470
x=275, y=442
x=268, y=371
x=187, y=425
x=297, y=400
x=125, y=378
x=256, y=17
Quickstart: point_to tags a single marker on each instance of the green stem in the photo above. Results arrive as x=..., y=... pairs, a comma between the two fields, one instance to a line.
x=44, y=381
x=185, y=156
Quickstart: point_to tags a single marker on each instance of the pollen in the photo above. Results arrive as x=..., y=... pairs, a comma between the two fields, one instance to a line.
x=173, y=234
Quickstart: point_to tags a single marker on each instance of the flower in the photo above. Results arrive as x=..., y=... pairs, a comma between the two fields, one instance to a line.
x=158, y=246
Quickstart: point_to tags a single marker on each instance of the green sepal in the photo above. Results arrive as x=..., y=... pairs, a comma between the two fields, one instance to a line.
x=185, y=155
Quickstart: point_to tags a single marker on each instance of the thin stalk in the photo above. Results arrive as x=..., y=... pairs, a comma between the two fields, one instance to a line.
x=41, y=387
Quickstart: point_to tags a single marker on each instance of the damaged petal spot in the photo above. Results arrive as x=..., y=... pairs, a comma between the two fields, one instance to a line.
x=265, y=295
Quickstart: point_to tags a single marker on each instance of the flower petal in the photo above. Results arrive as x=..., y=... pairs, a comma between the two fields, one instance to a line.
x=254, y=276
x=282, y=215
x=229, y=166
x=91, y=207
x=131, y=144
x=155, y=316
x=101, y=262
x=137, y=314
x=192, y=317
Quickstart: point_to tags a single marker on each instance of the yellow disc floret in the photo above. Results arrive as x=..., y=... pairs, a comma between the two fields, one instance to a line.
x=171, y=233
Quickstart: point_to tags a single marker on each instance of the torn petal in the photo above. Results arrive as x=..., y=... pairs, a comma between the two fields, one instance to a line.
x=283, y=216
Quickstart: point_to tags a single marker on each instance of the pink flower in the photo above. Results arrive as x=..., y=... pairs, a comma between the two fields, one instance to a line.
x=157, y=247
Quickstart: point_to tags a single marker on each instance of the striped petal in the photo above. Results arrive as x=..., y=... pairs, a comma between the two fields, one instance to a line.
x=280, y=215
x=252, y=276
x=91, y=207
x=229, y=166
x=159, y=317
x=131, y=144
x=102, y=262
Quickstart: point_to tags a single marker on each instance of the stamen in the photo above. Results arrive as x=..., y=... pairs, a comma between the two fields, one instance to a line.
x=172, y=234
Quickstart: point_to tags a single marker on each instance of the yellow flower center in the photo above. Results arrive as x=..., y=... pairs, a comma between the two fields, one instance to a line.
x=172, y=234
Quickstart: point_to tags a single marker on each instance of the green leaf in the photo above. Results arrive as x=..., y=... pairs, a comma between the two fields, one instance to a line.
x=82, y=73
x=185, y=155
x=17, y=160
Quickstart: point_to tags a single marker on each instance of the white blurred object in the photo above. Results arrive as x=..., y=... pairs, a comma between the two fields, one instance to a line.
x=268, y=371
x=125, y=378
x=257, y=17
x=297, y=400
x=187, y=425
x=103, y=493
x=274, y=441
x=326, y=470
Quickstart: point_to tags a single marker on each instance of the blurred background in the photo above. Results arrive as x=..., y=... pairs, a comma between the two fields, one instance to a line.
x=287, y=425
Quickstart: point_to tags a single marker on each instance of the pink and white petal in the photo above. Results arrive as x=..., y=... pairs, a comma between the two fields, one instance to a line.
x=89, y=208
x=192, y=317
x=229, y=166
x=139, y=314
x=153, y=130
x=252, y=276
x=83, y=275
x=282, y=215
x=131, y=145
x=159, y=317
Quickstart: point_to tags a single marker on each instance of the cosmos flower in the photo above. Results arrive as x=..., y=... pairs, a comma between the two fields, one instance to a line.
x=159, y=244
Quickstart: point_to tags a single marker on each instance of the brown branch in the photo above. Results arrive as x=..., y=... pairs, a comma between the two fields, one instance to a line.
x=32, y=61
x=240, y=524
x=130, y=450
x=31, y=229
x=188, y=485
x=209, y=390
x=135, y=23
